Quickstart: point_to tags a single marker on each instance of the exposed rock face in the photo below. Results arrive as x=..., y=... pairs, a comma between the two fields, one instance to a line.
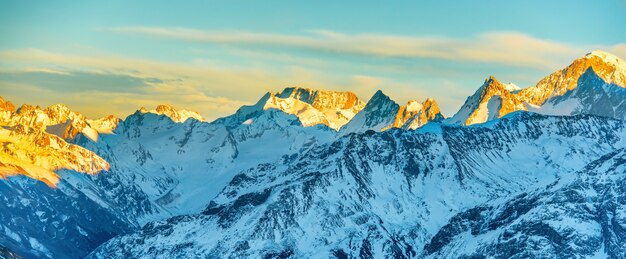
x=357, y=195
x=556, y=94
x=608, y=67
x=415, y=114
x=6, y=106
x=33, y=143
x=381, y=113
x=492, y=100
x=276, y=179
x=580, y=215
x=313, y=107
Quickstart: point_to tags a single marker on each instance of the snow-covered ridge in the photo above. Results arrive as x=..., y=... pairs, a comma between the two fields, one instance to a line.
x=38, y=154
x=607, y=66
x=592, y=84
x=383, y=194
x=557, y=94
x=331, y=108
x=34, y=142
x=284, y=189
x=176, y=115
x=492, y=100
x=381, y=113
x=579, y=215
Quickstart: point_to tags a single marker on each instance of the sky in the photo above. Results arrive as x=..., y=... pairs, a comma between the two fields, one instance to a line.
x=113, y=57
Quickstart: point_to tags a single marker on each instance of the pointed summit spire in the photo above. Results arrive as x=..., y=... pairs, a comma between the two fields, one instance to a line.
x=379, y=99
x=492, y=100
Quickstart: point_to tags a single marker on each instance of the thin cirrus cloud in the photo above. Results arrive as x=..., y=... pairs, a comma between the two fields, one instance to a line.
x=126, y=83
x=509, y=48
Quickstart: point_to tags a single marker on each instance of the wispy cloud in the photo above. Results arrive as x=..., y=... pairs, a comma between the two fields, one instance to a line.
x=132, y=82
x=122, y=84
x=204, y=84
x=509, y=48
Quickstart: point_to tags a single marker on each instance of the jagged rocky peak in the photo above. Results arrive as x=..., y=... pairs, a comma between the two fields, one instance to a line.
x=34, y=116
x=57, y=119
x=492, y=100
x=7, y=109
x=416, y=114
x=379, y=99
x=37, y=154
x=165, y=108
x=6, y=105
x=382, y=113
x=312, y=107
x=322, y=100
x=34, y=142
x=24, y=108
x=609, y=67
x=492, y=85
x=431, y=110
x=378, y=114
x=173, y=113
x=555, y=94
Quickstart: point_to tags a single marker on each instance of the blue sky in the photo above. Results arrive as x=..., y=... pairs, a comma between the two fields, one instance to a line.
x=102, y=57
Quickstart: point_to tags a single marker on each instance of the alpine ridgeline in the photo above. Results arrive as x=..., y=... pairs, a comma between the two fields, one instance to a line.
x=307, y=173
x=594, y=84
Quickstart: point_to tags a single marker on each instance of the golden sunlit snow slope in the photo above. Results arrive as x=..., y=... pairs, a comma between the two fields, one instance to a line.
x=27, y=148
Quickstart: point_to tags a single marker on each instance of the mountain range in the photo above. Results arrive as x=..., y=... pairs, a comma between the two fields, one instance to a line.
x=516, y=172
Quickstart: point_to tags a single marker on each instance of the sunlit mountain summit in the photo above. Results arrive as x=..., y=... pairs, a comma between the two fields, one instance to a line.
x=309, y=173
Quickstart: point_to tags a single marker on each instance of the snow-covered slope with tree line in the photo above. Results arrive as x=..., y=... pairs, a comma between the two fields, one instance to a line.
x=310, y=173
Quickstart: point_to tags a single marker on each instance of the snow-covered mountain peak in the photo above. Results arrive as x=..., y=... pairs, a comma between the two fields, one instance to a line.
x=607, y=66
x=165, y=108
x=556, y=94
x=382, y=113
x=492, y=100
x=493, y=84
x=380, y=102
x=58, y=118
x=607, y=57
x=378, y=98
x=59, y=110
x=416, y=114
x=312, y=107
x=34, y=142
x=6, y=105
x=323, y=99
x=179, y=116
